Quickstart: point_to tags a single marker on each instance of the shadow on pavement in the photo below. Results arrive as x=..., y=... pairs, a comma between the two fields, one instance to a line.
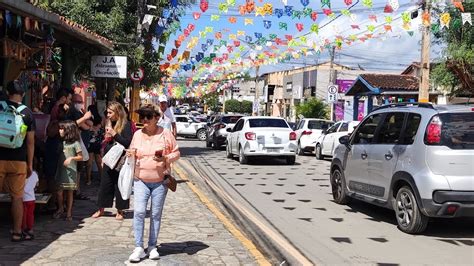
x=46, y=229
x=188, y=247
x=438, y=227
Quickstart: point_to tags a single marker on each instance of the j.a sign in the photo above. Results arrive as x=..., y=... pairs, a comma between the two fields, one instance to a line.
x=105, y=66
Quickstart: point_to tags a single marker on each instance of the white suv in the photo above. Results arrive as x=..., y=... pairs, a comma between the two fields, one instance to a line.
x=308, y=131
x=188, y=126
x=417, y=159
x=329, y=139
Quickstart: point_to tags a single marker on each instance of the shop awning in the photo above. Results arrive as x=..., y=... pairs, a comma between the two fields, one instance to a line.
x=59, y=23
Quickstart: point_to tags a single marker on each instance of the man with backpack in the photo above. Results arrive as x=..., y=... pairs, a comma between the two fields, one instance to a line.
x=16, y=151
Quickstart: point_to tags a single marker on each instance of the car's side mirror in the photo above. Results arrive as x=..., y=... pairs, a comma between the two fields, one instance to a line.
x=229, y=130
x=344, y=140
x=324, y=132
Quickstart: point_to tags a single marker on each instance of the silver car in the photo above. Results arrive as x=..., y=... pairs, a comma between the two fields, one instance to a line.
x=417, y=159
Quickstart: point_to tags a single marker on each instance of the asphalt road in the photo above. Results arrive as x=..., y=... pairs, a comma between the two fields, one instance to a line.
x=296, y=200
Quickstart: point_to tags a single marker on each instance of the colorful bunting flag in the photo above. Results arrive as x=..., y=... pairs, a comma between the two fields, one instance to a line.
x=326, y=3
x=279, y=12
x=299, y=26
x=215, y=17
x=314, y=16
x=283, y=25
x=445, y=18
x=204, y=5
x=267, y=24
x=289, y=10
x=315, y=28
x=367, y=3
x=232, y=20
x=466, y=18
x=248, y=21
x=196, y=15
x=305, y=2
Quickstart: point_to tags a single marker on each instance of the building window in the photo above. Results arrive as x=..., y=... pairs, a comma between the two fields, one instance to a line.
x=289, y=86
x=236, y=90
x=252, y=90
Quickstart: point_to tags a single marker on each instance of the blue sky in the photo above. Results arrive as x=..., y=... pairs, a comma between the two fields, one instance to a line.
x=395, y=51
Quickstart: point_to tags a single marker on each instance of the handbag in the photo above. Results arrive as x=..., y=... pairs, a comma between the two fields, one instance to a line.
x=125, y=180
x=170, y=181
x=112, y=157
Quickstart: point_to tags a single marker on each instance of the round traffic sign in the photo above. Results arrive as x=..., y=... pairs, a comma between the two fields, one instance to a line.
x=138, y=75
x=332, y=89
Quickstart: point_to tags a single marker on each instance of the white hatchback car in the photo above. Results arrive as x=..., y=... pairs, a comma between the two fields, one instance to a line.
x=308, y=131
x=261, y=136
x=329, y=139
x=187, y=126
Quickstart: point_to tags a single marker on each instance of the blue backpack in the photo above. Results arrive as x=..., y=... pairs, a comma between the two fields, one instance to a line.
x=12, y=127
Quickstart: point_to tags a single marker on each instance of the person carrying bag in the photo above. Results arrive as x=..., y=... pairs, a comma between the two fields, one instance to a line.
x=155, y=148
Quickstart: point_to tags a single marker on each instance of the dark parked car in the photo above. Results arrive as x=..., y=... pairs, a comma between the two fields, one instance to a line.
x=217, y=129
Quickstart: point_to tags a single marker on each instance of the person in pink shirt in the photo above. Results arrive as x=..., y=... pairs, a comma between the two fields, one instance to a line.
x=155, y=149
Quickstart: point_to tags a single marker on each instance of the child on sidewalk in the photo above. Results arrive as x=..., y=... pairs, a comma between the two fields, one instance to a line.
x=29, y=206
x=66, y=174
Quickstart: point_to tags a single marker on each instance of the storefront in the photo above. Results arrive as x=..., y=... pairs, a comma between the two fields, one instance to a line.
x=40, y=49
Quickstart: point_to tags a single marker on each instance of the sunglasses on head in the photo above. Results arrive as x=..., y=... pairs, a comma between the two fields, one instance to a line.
x=146, y=116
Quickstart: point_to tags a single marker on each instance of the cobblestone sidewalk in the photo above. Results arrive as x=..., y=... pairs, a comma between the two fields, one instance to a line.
x=190, y=235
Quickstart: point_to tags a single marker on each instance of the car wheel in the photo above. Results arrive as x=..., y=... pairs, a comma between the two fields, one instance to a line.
x=201, y=134
x=318, y=152
x=299, y=151
x=338, y=184
x=228, y=154
x=290, y=160
x=242, y=158
x=409, y=217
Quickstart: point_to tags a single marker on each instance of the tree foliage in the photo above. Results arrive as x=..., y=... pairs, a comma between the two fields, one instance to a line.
x=455, y=71
x=244, y=107
x=313, y=108
x=212, y=101
x=117, y=20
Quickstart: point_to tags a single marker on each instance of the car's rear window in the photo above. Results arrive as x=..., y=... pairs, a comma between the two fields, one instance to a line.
x=230, y=119
x=458, y=130
x=267, y=122
x=315, y=124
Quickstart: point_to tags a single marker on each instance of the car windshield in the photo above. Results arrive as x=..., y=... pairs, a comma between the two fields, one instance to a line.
x=268, y=122
x=316, y=124
x=458, y=130
x=230, y=119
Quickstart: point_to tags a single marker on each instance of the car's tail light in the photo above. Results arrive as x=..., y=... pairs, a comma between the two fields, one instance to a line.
x=292, y=136
x=433, y=131
x=307, y=132
x=250, y=136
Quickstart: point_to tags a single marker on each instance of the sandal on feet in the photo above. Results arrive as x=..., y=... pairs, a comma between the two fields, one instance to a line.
x=16, y=237
x=58, y=214
x=97, y=214
x=28, y=235
x=119, y=216
x=68, y=218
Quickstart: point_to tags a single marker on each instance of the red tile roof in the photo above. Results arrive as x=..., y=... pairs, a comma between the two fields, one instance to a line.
x=391, y=82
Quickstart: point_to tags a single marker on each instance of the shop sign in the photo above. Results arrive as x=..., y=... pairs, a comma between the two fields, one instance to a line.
x=344, y=85
x=107, y=66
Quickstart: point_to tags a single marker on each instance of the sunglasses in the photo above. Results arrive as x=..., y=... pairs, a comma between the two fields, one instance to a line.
x=146, y=116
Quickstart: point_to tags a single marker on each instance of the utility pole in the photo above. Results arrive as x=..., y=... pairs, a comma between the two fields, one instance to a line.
x=423, y=91
x=135, y=95
x=256, y=102
x=332, y=75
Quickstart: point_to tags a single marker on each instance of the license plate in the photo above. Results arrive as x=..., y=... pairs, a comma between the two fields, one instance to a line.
x=273, y=150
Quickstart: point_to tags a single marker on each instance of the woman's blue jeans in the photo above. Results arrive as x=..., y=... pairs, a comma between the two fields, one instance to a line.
x=142, y=192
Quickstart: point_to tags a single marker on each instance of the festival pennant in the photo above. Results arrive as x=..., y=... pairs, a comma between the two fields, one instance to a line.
x=314, y=16
x=388, y=19
x=196, y=15
x=373, y=18
x=232, y=20
x=215, y=17
x=466, y=18
x=278, y=12
x=305, y=2
x=445, y=18
x=204, y=5
x=458, y=4
x=348, y=2
x=299, y=26
x=307, y=11
x=223, y=8
x=267, y=24
x=248, y=38
x=426, y=18
x=394, y=4
x=326, y=3
x=315, y=28
x=248, y=21
x=367, y=3
x=231, y=2
x=240, y=33
x=258, y=35
x=232, y=37
x=289, y=10
x=283, y=25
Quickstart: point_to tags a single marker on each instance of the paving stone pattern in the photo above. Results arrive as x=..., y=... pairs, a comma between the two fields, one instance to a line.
x=190, y=235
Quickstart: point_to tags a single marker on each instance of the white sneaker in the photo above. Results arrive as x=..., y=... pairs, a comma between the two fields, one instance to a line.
x=137, y=255
x=153, y=254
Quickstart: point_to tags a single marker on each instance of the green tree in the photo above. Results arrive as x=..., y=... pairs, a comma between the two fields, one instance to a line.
x=455, y=71
x=313, y=108
x=244, y=107
x=117, y=20
x=212, y=101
